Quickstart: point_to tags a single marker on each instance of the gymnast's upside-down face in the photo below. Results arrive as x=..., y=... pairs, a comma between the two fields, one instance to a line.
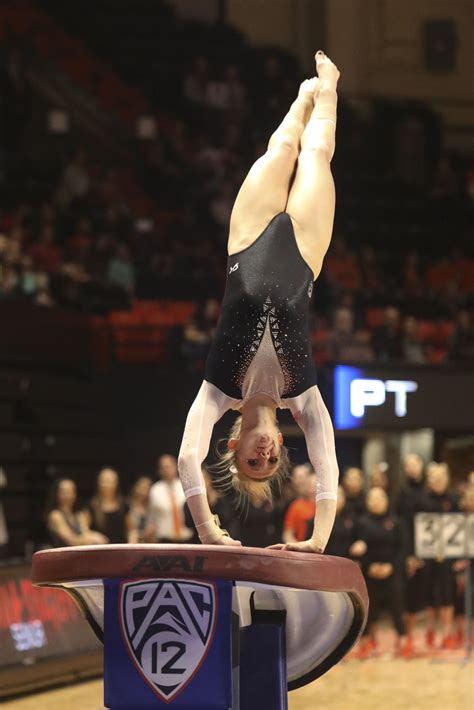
x=258, y=452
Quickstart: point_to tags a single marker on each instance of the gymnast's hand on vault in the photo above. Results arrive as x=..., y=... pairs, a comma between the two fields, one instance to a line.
x=224, y=540
x=304, y=546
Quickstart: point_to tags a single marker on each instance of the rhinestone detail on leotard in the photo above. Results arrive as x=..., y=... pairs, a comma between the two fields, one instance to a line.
x=269, y=316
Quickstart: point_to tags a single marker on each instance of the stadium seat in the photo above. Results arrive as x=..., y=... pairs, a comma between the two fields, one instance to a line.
x=374, y=317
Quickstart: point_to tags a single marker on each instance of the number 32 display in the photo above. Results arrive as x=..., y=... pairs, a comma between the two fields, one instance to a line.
x=444, y=535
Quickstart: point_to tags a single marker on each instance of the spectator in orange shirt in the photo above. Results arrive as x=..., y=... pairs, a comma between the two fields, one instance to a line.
x=293, y=489
x=300, y=513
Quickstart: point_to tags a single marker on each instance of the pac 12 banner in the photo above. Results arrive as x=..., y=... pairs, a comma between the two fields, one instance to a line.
x=168, y=641
x=402, y=398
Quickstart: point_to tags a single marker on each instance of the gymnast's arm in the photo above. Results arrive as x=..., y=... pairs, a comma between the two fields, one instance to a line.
x=208, y=407
x=312, y=416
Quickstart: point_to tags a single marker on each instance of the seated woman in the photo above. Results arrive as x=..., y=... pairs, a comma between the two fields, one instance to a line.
x=107, y=510
x=67, y=525
x=139, y=529
x=198, y=333
x=260, y=359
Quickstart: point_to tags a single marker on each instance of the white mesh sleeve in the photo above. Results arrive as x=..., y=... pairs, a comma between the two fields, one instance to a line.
x=311, y=414
x=208, y=407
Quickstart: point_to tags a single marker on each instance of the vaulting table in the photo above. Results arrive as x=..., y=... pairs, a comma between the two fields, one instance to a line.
x=202, y=627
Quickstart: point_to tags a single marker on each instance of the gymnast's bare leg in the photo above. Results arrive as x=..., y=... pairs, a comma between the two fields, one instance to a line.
x=312, y=199
x=264, y=192
x=305, y=141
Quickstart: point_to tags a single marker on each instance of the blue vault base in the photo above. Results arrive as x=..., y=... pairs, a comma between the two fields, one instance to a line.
x=176, y=643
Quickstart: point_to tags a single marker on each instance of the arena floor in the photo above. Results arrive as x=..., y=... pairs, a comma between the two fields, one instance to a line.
x=383, y=683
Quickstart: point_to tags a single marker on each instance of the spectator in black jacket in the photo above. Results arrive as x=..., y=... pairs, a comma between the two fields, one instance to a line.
x=382, y=565
x=460, y=566
x=343, y=541
x=353, y=484
x=67, y=525
x=462, y=341
x=440, y=582
x=387, y=339
x=257, y=526
x=409, y=503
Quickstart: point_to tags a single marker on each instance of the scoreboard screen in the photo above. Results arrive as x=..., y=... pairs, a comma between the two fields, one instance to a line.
x=374, y=397
x=38, y=623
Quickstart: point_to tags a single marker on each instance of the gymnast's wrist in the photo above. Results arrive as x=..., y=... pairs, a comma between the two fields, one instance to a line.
x=319, y=545
x=209, y=531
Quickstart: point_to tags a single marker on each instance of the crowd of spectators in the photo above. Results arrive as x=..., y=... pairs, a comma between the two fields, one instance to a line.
x=374, y=526
x=88, y=247
x=395, y=287
x=70, y=251
x=397, y=339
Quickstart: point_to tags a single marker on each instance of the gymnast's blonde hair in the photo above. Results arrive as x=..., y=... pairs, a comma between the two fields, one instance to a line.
x=231, y=476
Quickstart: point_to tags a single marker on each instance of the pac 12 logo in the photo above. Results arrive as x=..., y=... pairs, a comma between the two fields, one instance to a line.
x=168, y=626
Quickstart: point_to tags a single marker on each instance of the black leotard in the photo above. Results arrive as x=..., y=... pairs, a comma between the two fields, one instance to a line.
x=267, y=280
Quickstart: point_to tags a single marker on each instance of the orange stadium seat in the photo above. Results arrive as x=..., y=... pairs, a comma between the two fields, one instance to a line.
x=122, y=318
x=435, y=332
x=436, y=356
x=139, y=343
x=427, y=331
x=140, y=335
x=446, y=329
x=373, y=317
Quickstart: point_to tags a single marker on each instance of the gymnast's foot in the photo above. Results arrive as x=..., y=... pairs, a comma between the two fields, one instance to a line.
x=328, y=73
x=309, y=89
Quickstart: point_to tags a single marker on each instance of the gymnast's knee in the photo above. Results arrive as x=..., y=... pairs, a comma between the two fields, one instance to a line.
x=317, y=149
x=284, y=143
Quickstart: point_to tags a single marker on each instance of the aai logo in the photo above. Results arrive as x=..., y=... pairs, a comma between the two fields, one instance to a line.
x=168, y=627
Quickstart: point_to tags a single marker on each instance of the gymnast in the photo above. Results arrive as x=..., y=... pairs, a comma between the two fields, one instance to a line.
x=260, y=358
